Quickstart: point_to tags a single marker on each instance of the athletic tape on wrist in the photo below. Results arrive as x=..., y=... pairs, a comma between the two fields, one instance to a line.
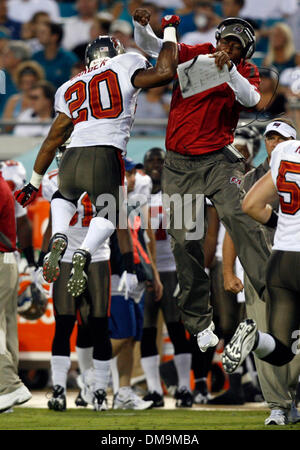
x=36, y=179
x=170, y=35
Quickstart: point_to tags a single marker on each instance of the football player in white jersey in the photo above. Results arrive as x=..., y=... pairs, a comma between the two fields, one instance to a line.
x=153, y=164
x=279, y=345
x=99, y=104
x=68, y=310
x=15, y=175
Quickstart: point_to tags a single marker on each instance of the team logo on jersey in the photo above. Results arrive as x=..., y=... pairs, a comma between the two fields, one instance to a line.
x=235, y=180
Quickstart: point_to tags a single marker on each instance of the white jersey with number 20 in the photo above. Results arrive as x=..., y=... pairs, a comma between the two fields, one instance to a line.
x=285, y=171
x=102, y=101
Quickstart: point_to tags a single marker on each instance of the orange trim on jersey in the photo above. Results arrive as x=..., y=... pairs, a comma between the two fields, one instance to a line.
x=137, y=246
x=114, y=92
x=74, y=105
x=122, y=167
x=78, y=317
x=88, y=210
x=52, y=174
x=289, y=187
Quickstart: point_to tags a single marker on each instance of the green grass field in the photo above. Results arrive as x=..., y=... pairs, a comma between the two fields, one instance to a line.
x=43, y=419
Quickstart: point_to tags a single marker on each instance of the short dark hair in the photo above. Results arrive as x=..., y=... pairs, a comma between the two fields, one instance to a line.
x=57, y=29
x=241, y=3
x=47, y=88
x=39, y=14
x=204, y=4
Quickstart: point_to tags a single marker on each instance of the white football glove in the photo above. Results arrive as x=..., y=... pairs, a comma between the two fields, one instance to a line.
x=138, y=292
x=40, y=282
x=128, y=283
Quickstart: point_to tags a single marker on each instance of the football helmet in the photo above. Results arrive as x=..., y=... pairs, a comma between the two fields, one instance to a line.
x=242, y=30
x=32, y=302
x=60, y=151
x=102, y=47
x=248, y=135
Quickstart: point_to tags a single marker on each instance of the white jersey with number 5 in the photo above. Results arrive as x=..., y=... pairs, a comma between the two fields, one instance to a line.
x=79, y=223
x=285, y=171
x=102, y=101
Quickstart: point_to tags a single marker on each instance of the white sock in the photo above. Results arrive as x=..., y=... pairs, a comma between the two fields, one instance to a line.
x=85, y=358
x=99, y=230
x=62, y=212
x=125, y=391
x=115, y=374
x=101, y=374
x=60, y=366
x=266, y=345
x=183, y=364
x=150, y=365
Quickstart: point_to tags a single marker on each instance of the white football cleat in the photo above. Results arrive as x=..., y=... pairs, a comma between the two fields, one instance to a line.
x=240, y=345
x=131, y=401
x=277, y=417
x=17, y=397
x=207, y=338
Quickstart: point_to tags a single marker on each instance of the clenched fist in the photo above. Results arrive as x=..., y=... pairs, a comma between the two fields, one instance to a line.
x=142, y=16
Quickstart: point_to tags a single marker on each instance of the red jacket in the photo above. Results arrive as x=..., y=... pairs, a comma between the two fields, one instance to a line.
x=7, y=217
x=205, y=122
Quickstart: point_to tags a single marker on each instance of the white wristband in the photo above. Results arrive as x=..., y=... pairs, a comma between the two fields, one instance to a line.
x=170, y=35
x=36, y=179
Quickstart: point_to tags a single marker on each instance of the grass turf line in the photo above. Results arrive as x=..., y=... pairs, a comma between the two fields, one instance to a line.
x=43, y=419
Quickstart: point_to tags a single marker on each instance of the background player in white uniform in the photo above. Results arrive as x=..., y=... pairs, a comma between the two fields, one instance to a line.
x=279, y=345
x=153, y=164
x=100, y=103
x=15, y=175
x=127, y=311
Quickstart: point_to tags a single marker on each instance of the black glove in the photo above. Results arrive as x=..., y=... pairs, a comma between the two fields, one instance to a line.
x=26, y=195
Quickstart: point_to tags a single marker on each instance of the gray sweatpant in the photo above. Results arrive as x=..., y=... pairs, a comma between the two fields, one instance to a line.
x=218, y=178
x=9, y=344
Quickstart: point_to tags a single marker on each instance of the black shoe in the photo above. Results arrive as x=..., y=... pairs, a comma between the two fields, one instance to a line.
x=251, y=393
x=79, y=401
x=158, y=400
x=58, y=400
x=234, y=395
x=200, y=393
x=100, y=400
x=184, y=398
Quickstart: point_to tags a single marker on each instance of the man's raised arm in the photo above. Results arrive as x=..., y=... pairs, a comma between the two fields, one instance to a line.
x=166, y=65
x=144, y=36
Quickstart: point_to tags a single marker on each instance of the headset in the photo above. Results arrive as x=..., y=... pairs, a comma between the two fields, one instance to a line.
x=240, y=28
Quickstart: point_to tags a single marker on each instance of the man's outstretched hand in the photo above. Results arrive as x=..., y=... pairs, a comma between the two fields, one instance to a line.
x=142, y=16
x=26, y=195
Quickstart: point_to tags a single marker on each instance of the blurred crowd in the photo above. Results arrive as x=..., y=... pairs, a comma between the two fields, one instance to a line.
x=42, y=45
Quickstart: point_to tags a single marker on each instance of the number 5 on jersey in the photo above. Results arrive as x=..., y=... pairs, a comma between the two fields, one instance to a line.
x=103, y=95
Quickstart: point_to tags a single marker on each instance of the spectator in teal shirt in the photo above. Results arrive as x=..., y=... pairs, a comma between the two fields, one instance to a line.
x=56, y=61
x=13, y=53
